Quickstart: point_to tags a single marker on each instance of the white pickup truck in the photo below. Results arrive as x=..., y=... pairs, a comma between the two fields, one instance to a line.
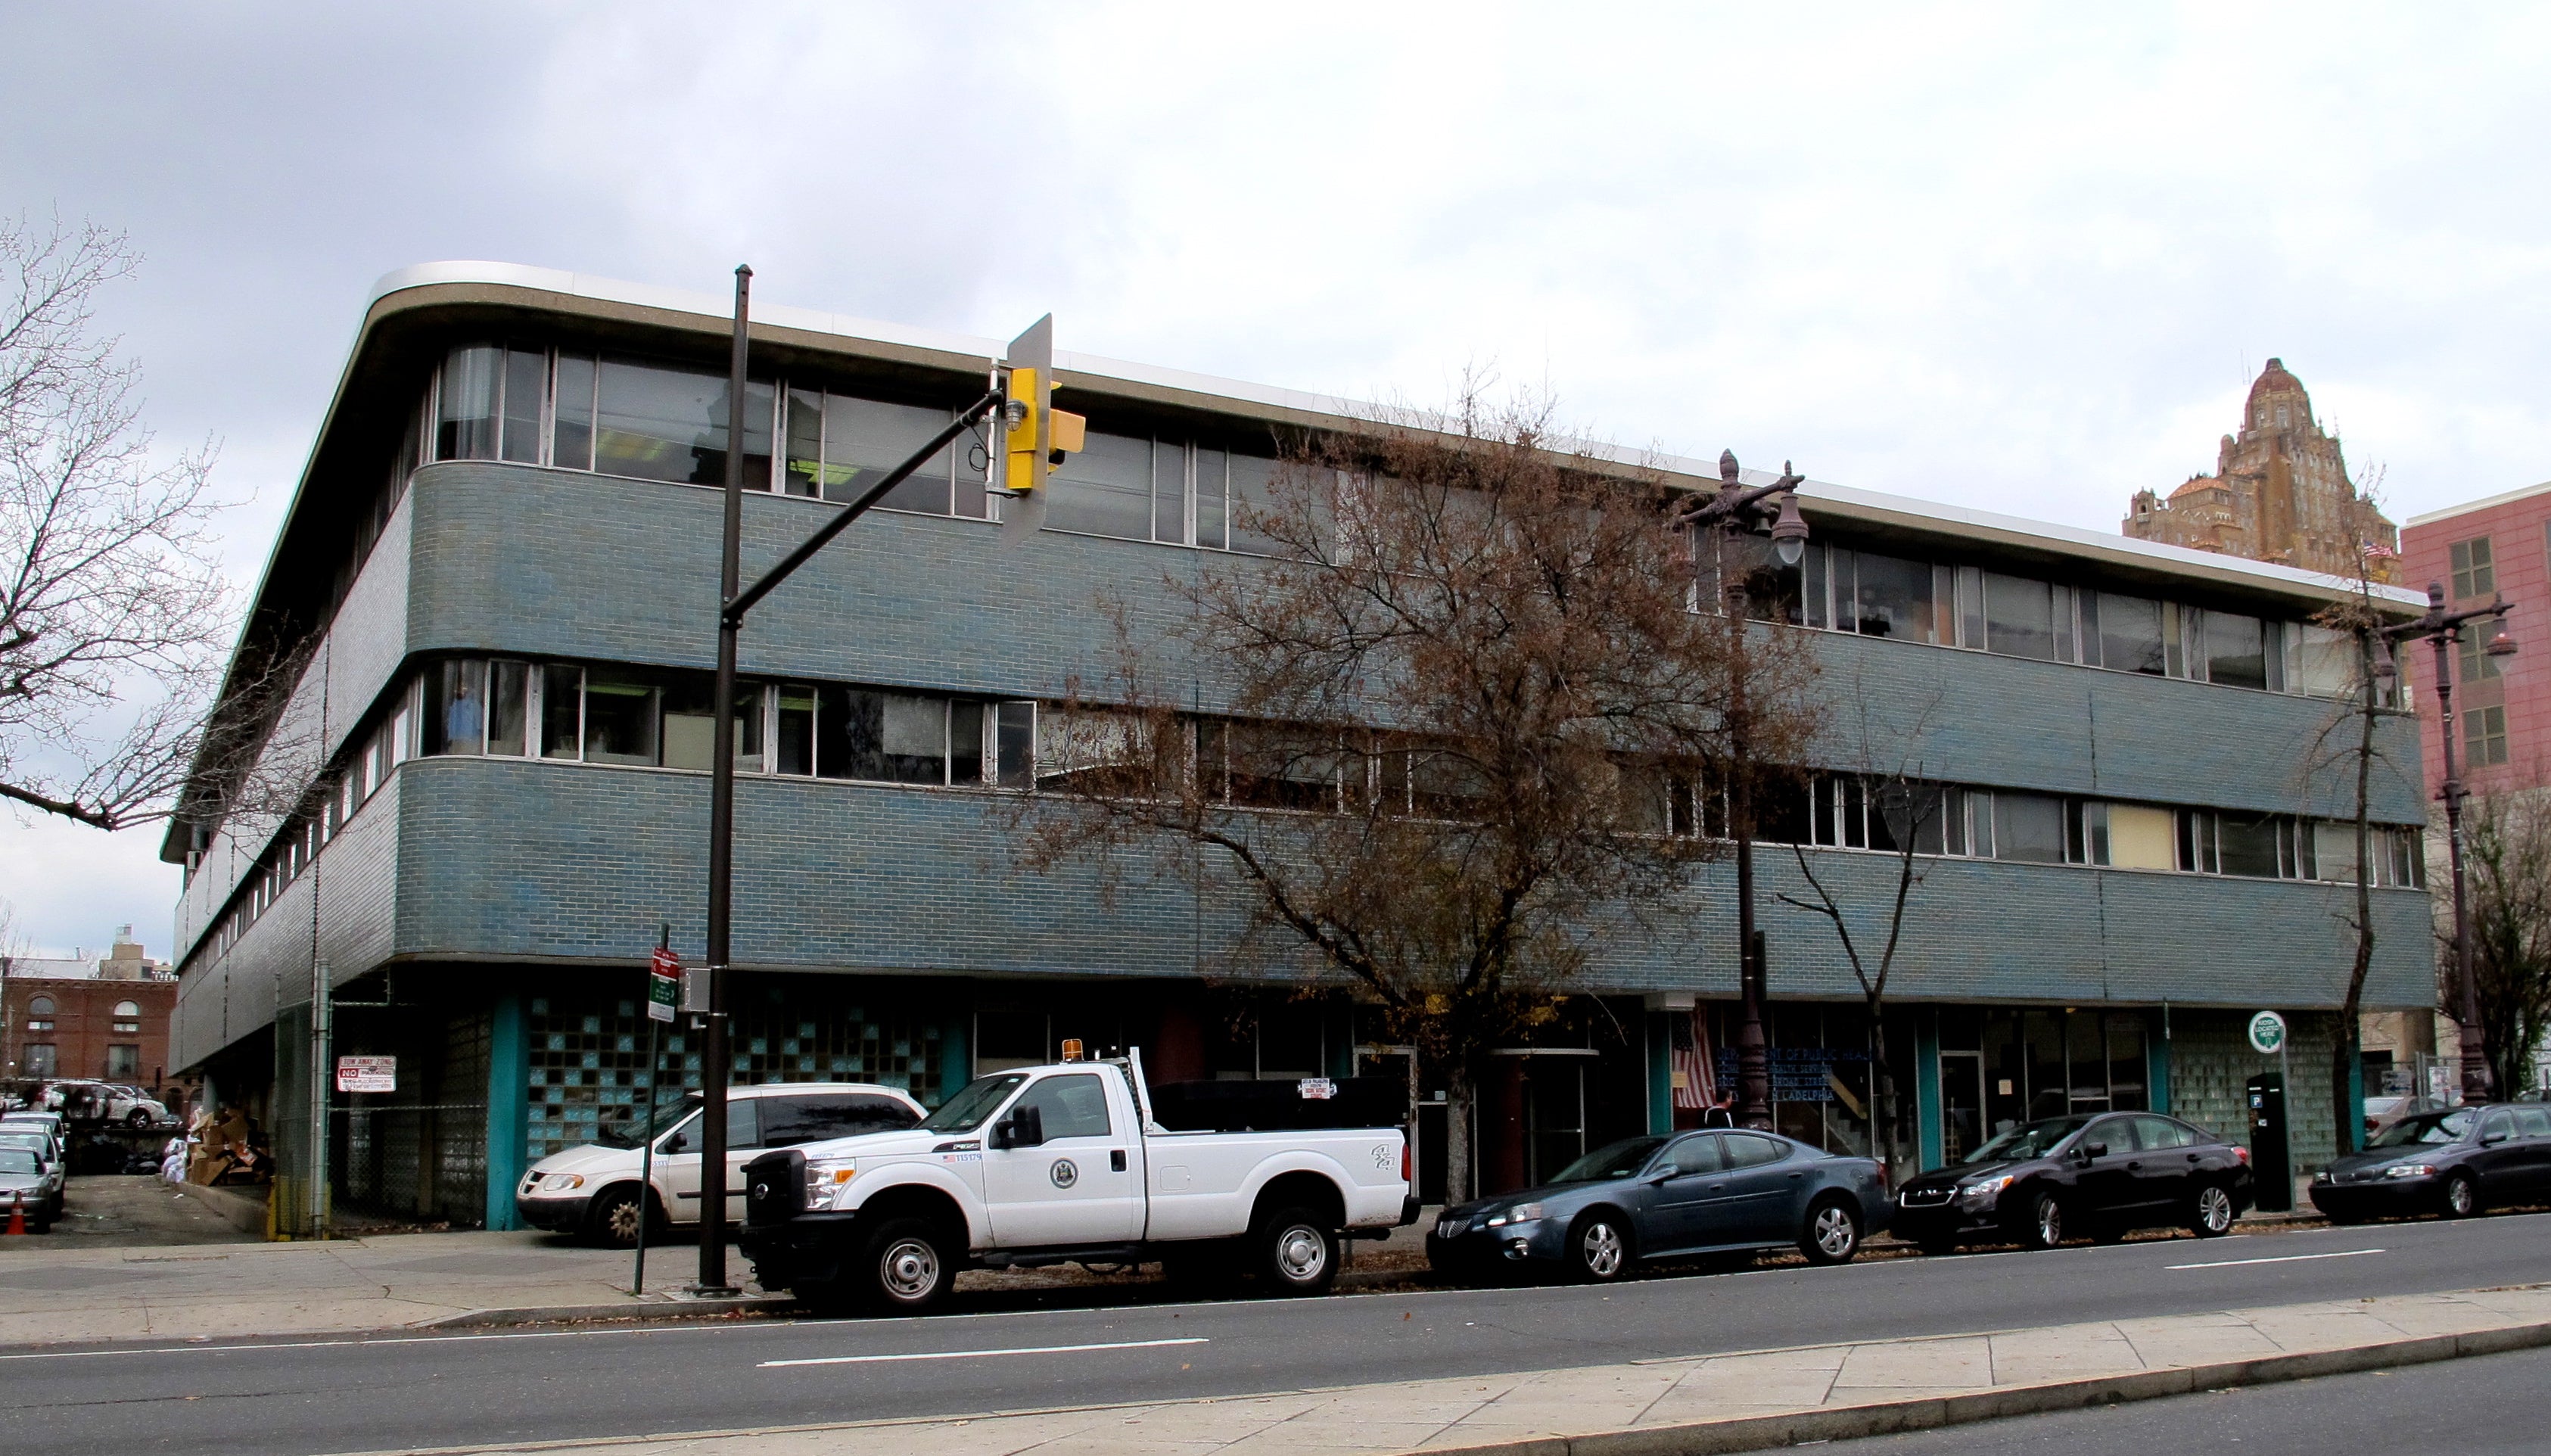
x=1062, y=1164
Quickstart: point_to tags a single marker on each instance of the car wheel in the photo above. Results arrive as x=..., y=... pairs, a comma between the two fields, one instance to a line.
x=908, y=1269
x=1295, y=1252
x=2210, y=1212
x=1599, y=1248
x=137, y=1119
x=2462, y=1196
x=2042, y=1227
x=1832, y=1234
x=614, y=1219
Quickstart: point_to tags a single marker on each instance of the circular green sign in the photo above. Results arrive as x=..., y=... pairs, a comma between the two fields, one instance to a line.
x=2267, y=1032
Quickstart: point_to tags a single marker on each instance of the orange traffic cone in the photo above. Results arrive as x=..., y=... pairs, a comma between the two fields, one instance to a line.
x=17, y=1216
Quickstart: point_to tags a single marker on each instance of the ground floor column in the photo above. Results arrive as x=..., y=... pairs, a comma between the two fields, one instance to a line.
x=508, y=1105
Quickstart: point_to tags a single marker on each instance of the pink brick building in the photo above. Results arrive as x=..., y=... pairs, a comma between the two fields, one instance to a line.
x=2499, y=545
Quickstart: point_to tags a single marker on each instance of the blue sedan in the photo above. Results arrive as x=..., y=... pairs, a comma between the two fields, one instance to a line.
x=1663, y=1198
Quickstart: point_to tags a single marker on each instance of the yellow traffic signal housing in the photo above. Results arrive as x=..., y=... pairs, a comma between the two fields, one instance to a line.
x=1035, y=435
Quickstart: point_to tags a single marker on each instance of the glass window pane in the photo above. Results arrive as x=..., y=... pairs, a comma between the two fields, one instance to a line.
x=1014, y=739
x=562, y=711
x=572, y=441
x=2019, y=616
x=965, y=742
x=1104, y=490
x=803, y=465
x=2334, y=852
x=690, y=728
x=2235, y=649
x=1212, y=485
x=466, y=423
x=2326, y=661
x=1254, y=505
x=1826, y=581
x=2030, y=826
x=456, y=720
x=527, y=379
x=1169, y=492
x=866, y=438
x=508, y=694
x=1895, y=598
x=2141, y=837
x=796, y=730
x=2131, y=634
x=2247, y=846
x=915, y=739
x=620, y=709
x=661, y=423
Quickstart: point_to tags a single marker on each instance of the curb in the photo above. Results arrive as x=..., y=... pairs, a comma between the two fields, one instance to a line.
x=647, y=1310
x=1799, y=1428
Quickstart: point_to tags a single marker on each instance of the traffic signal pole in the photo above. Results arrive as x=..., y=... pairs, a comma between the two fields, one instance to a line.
x=733, y=602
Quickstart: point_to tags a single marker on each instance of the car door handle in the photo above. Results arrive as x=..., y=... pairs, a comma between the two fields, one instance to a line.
x=1794, y=1177
x=1116, y=1160
x=2135, y=1166
x=2194, y=1157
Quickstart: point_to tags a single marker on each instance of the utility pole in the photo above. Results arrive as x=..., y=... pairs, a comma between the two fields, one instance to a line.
x=1734, y=507
x=1036, y=436
x=2444, y=630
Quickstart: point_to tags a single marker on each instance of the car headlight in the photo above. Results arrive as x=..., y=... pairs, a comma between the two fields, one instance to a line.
x=561, y=1183
x=1519, y=1213
x=2411, y=1169
x=2324, y=1176
x=1983, y=1193
x=824, y=1177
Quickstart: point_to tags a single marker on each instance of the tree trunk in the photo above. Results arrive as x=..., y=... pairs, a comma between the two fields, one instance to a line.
x=2347, y=1113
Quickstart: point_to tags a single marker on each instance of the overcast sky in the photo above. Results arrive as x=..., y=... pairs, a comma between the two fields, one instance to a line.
x=2025, y=260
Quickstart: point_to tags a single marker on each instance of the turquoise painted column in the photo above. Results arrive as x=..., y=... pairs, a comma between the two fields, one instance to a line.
x=2157, y=1064
x=2352, y=1136
x=1660, y=1073
x=1926, y=1087
x=509, y=1107
x=956, y=1057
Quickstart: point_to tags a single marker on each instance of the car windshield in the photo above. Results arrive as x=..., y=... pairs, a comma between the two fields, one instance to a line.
x=14, y=1139
x=2425, y=1127
x=1613, y=1159
x=630, y=1131
x=18, y=1159
x=2028, y=1140
x=967, y=1110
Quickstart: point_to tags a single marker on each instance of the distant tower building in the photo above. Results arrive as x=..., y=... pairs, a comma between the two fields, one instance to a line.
x=2280, y=492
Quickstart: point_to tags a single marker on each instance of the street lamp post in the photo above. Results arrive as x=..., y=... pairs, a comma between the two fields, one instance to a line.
x=1737, y=507
x=2444, y=630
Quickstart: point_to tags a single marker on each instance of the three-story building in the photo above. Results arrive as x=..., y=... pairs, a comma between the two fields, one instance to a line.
x=500, y=575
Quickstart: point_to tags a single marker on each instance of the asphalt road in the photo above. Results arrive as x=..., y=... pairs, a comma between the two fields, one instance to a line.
x=350, y=1393
x=2486, y=1406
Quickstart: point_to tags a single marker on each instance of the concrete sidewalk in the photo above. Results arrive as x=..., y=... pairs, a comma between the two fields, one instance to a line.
x=1727, y=1402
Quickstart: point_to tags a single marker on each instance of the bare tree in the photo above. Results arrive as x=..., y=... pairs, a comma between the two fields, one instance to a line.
x=1458, y=713
x=2507, y=849
x=2349, y=738
x=1911, y=812
x=112, y=608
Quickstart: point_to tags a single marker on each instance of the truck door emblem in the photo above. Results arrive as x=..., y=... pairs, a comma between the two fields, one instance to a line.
x=1064, y=1175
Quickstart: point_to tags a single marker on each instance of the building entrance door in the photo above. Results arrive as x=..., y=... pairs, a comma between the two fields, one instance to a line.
x=1961, y=1104
x=1554, y=1115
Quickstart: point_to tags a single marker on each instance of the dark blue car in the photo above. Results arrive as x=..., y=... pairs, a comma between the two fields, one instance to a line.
x=1661, y=1198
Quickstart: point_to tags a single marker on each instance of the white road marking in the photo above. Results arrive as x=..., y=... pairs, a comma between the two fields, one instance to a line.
x=205, y=1348
x=2279, y=1259
x=981, y=1354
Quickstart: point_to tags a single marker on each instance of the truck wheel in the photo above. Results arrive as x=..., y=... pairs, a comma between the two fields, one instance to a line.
x=1295, y=1252
x=907, y=1265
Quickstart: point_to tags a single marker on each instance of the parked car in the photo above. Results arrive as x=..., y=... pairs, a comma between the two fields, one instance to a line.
x=2455, y=1163
x=2099, y=1174
x=138, y=1108
x=49, y=1155
x=1064, y=1164
x=50, y=1122
x=30, y=1187
x=592, y=1190
x=1661, y=1197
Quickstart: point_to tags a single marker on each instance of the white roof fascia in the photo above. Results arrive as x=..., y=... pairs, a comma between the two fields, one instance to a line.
x=2482, y=504
x=1951, y=518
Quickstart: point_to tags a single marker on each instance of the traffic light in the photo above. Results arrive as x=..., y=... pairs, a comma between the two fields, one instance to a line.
x=1035, y=435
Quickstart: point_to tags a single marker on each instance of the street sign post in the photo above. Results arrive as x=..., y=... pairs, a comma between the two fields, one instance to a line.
x=663, y=992
x=2267, y=1034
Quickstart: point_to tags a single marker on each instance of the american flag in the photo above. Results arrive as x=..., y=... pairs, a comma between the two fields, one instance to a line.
x=1696, y=1078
